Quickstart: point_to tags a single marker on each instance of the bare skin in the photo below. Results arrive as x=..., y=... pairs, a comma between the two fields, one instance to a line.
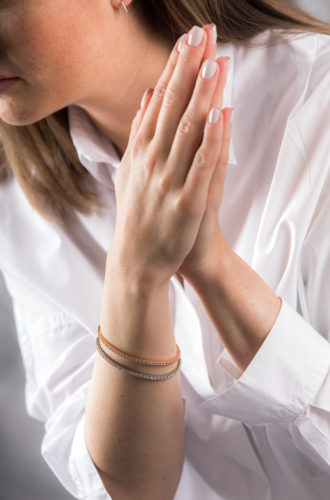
x=89, y=53
x=139, y=448
x=97, y=57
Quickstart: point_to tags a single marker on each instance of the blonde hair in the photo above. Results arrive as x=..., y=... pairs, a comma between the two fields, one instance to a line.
x=42, y=156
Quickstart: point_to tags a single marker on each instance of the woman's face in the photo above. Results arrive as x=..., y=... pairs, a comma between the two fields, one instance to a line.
x=65, y=52
x=89, y=53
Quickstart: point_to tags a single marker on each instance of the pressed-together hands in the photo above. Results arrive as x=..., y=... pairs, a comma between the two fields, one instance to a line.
x=170, y=181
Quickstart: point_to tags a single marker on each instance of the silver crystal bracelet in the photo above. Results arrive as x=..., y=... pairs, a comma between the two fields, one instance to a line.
x=123, y=368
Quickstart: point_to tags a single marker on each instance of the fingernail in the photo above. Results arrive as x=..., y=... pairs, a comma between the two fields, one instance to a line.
x=209, y=68
x=214, y=34
x=195, y=36
x=181, y=42
x=143, y=100
x=214, y=115
x=231, y=113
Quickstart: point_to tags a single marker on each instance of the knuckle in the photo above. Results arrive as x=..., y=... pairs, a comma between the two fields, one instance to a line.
x=186, y=125
x=201, y=159
x=186, y=56
x=171, y=96
x=184, y=206
x=163, y=184
x=138, y=144
x=179, y=204
x=147, y=165
x=159, y=92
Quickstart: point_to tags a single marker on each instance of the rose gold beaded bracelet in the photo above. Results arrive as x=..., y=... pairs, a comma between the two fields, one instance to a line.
x=135, y=358
x=129, y=371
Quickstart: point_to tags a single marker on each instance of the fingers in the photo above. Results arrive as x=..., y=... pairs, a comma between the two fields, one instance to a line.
x=214, y=150
x=144, y=106
x=159, y=112
x=218, y=94
x=211, y=45
x=177, y=95
x=219, y=175
x=152, y=115
x=191, y=127
x=152, y=105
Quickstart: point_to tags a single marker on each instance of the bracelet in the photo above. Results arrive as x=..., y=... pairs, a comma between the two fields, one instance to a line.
x=135, y=358
x=133, y=372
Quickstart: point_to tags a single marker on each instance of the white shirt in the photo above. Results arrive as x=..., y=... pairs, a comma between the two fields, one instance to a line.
x=263, y=434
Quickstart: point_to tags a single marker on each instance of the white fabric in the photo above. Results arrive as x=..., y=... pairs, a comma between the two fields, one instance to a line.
x=263, y=434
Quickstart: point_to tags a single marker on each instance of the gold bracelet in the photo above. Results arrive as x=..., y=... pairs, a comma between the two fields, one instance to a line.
x=135, y=358
x=123, y=368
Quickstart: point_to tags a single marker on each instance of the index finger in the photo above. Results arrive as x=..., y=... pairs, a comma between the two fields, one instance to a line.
x=155, y=105
x=211, y=44
x=210, y=52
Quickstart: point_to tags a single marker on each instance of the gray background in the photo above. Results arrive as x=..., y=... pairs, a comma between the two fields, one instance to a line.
x=23, y=472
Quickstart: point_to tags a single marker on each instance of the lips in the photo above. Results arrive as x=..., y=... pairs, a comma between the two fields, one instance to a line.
x=7, y=83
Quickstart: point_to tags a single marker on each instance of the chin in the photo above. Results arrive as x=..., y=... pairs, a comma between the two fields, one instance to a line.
x=18, y=116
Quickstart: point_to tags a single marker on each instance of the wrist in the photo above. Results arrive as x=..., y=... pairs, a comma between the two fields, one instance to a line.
x=132, y=280
x=136, y=318
x=219, y=259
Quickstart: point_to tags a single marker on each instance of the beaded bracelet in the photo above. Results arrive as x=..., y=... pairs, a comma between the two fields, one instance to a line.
x=135, y=358
x=147, y=376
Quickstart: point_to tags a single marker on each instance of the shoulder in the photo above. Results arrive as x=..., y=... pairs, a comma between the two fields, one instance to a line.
x=299, y=51
x=311, y=120
x=321, y=65
x=291, y=70
x=309, y=56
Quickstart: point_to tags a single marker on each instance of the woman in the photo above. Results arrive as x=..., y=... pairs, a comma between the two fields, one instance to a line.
x=194, y=252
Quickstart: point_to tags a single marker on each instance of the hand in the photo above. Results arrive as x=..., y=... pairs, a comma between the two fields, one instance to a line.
x=209, y=241
x=163, y=180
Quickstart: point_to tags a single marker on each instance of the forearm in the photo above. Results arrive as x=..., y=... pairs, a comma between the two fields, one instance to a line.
x=135, y=427
x=241, y=305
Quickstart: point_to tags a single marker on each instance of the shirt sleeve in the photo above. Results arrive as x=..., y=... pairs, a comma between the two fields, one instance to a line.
x=58, y=356
x=287, y=383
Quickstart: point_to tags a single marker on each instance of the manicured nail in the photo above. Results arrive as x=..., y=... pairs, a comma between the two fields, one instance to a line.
x=209, y=68
x=143, y=100
x=195, y=36
x=214, y=115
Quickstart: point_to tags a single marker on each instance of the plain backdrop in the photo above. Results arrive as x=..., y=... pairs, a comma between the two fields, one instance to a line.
x=23, y=472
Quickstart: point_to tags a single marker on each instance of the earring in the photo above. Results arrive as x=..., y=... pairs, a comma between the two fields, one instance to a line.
x=126, y=9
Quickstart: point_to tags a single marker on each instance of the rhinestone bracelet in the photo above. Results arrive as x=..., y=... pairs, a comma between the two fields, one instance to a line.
x=147, y=376
x=135, y=358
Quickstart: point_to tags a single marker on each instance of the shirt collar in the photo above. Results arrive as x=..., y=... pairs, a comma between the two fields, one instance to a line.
x=91, y=144
x=94, y=147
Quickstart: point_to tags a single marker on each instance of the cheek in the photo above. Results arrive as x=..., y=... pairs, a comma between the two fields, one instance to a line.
x=51, y=48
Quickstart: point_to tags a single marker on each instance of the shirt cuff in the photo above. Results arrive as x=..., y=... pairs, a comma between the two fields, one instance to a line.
x=83, y=470
x=281, y=380
x=227, y=362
